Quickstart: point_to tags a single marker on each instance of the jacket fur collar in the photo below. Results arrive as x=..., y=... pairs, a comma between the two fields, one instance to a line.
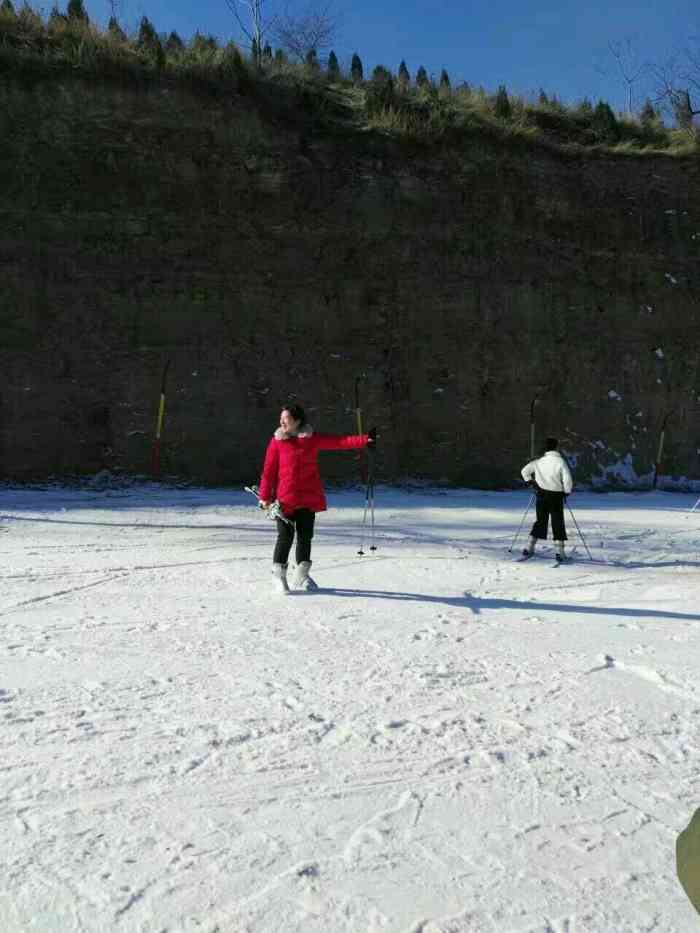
x=304, y=431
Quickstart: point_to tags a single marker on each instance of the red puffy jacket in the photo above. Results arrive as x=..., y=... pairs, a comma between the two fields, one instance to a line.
x=290, y=473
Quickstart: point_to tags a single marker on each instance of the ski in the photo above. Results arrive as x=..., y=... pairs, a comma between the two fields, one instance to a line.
x=557, y=563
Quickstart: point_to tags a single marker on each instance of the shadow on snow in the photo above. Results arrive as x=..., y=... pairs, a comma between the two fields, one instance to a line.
x=477, y=604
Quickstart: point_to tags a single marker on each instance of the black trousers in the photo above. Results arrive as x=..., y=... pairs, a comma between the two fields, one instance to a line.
x=303, y=522
x=549, y=505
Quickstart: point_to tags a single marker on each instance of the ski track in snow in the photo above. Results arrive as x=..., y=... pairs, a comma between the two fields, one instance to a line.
x=441, y=740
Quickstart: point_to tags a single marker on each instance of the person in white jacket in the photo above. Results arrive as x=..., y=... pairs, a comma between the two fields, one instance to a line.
x=551, y=479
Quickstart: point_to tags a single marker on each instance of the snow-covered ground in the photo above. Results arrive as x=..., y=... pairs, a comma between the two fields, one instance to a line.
x=441, y=740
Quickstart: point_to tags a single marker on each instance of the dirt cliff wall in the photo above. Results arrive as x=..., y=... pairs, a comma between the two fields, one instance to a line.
x=138, y=226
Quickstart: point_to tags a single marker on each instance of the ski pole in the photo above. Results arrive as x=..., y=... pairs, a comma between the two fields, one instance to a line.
x=372, y=546
x=367, y=475
x=522, y=522
x=583, y=540
x=369, y=508
x=273, y=511
x=362, y=456
x=361, y=551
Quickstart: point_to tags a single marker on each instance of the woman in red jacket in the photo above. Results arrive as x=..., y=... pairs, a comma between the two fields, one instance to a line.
x=290, y=475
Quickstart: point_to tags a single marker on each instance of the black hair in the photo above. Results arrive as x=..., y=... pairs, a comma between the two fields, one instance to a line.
x=296, y=411
x=551, y=443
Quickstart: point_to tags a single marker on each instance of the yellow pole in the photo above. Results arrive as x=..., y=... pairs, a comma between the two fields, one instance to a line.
x=159, y=424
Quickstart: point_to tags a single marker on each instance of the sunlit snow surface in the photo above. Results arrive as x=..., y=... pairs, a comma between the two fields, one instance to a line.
x=441, y=740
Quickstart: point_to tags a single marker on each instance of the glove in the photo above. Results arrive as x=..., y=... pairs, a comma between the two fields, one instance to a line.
x=372, y=438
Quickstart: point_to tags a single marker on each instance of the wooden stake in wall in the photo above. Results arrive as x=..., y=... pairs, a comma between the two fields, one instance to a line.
x=660, y=450
x=532, y=427
x=159, y=423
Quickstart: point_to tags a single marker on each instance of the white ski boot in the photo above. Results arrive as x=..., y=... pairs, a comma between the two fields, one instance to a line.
x=302, y=580
x=279, y=579
x=530, y=549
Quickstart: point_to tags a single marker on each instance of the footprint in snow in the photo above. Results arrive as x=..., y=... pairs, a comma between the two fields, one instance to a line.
x=608, y=663
x=430, y=633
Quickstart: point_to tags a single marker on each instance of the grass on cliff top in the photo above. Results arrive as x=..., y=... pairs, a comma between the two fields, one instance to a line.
x=36, y=49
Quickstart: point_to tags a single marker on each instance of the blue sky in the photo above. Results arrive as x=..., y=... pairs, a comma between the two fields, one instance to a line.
x=560, y=45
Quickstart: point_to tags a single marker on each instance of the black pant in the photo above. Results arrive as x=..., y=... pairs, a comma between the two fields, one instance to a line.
x=303, y=521
x=549, y=505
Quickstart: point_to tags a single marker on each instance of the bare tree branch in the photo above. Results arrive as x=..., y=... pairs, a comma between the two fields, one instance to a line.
x=115, y=9
x=253, y=23
x=314, y=28
x=628, y=66
x=675, y=80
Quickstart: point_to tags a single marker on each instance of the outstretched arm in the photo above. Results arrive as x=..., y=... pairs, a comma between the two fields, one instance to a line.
x=341, y=441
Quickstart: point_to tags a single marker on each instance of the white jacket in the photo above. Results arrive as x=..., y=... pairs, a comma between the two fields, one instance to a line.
x=550, y=472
